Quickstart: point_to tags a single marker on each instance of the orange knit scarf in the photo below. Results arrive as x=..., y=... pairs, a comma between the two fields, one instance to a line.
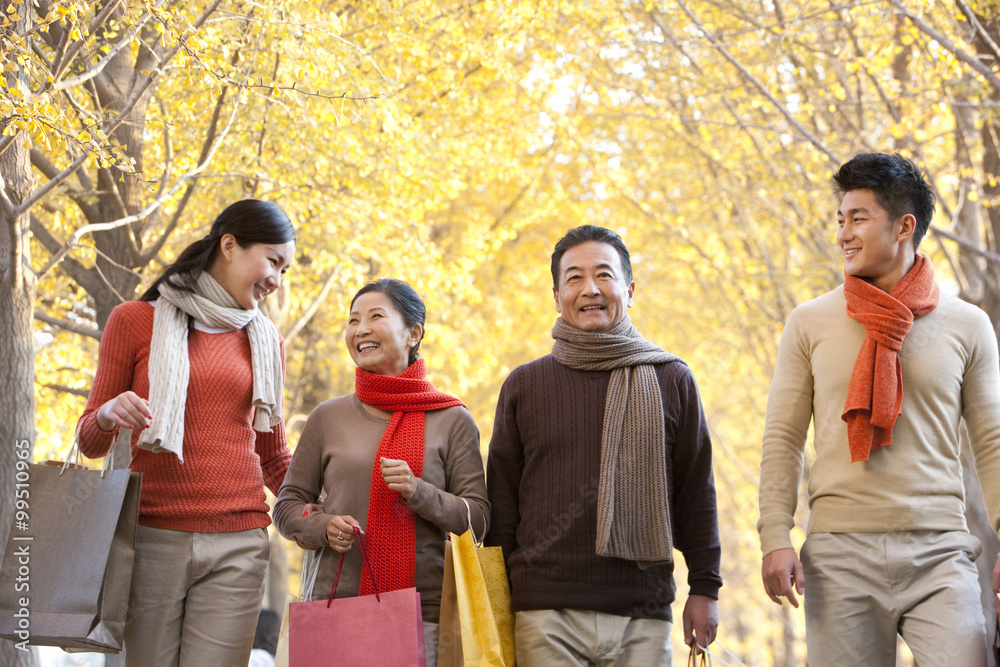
x=390, y=536
x=875, y=395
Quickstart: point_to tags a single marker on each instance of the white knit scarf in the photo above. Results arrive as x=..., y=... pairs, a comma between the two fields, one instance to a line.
x=633, y=498
x=170, y=368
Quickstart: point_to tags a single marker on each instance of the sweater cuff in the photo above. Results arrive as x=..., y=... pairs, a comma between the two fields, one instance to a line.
x=94, y=441
x=775, y=533
x=315, y=529
x=416, y=500
x=708, y=589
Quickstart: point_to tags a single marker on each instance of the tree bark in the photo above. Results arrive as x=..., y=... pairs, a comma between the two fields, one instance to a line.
x=17, y=298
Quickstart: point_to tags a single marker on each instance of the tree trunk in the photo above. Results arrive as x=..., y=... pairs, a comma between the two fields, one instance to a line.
x=17, y=298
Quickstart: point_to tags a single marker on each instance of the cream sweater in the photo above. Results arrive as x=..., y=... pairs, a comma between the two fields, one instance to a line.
x=951, y=371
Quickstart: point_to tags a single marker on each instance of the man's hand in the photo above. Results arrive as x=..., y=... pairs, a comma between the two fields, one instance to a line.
x=781, y=569
x=701, y=620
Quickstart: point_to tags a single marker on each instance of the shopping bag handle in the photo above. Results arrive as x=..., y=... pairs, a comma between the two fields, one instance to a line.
x=468, y=511
x=73, y=458
x=365, y=565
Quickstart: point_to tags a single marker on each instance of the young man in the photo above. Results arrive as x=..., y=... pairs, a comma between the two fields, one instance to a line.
x=600, y=463
x=886, y=367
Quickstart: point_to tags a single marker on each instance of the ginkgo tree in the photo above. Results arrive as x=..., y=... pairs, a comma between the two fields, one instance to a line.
x=112, y=114
x=451, y=144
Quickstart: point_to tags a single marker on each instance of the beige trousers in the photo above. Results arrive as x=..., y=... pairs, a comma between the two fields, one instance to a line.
x=862, y=589
x=549, y=637
x=195, y=597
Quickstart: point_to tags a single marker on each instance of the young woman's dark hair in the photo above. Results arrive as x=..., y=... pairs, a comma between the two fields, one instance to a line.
x=406, y=301
x=582, y=234
x=250, y=221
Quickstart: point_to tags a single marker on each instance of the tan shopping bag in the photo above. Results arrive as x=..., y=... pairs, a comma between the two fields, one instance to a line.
x=67, y=568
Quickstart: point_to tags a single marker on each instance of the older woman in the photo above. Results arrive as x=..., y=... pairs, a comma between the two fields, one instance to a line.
x=397, y=458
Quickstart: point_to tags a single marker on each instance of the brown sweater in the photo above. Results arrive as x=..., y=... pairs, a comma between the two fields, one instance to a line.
x=220, y=485
x=543, y=471
x=334, y=460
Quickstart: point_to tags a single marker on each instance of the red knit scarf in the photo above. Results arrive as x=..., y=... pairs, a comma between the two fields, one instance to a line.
x=390, y=536
x=875, y=395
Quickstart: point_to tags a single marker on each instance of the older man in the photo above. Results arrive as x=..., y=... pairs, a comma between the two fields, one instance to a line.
x=600, y=464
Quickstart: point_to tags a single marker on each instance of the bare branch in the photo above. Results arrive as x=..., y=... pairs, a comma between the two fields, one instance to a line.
x=967, y=245
x=6, y=142
x=111, y=126
x=52, y=183
x=760, y=86
x=84, y=277
x=6, y=205
x=68, y=326
x=978, y=27
x=50, y=171
x=85, y=393
x=206, y=147
x=104, y=226
x=74, y=49
x=309, y=312
x=950, y=46
x=124, y=42
x=328, y=33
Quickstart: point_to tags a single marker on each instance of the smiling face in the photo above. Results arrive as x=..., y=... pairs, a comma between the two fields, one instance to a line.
x=250, y=274
x=875, y=248
x=592, y=294
x=377, y=336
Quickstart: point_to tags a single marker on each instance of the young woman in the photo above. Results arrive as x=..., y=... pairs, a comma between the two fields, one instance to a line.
x=196, y=370
x=397, y=458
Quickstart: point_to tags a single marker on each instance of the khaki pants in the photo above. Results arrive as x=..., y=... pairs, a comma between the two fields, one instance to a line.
x=862, y=589
x=549, y=637
x=195, y=597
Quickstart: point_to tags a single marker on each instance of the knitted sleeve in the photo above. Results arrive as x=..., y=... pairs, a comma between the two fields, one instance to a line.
x=115, y=364
x=303, y=483
x=981, y=411
x=465, y=479
x=786, y=425
x=272, y=448
x=503, y=471
x=694, y=511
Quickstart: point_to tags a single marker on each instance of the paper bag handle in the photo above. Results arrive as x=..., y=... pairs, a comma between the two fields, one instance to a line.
x=365, y=565
x=73, y=458
x=468, y=511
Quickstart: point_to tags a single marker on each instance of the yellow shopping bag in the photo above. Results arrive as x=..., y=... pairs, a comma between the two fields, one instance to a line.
x=483, y=603
x=477, y=625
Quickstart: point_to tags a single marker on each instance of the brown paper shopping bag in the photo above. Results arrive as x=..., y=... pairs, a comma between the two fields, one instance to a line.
x=67, y=568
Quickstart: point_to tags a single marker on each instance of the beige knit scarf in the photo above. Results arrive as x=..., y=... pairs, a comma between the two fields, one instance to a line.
x=633, y=498
x=169, y=366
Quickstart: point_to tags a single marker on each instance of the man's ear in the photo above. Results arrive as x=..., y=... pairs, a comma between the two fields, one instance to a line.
x=907, y=226
x=555, y=295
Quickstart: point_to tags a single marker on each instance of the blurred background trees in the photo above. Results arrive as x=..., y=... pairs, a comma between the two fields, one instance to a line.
x=450, y=143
